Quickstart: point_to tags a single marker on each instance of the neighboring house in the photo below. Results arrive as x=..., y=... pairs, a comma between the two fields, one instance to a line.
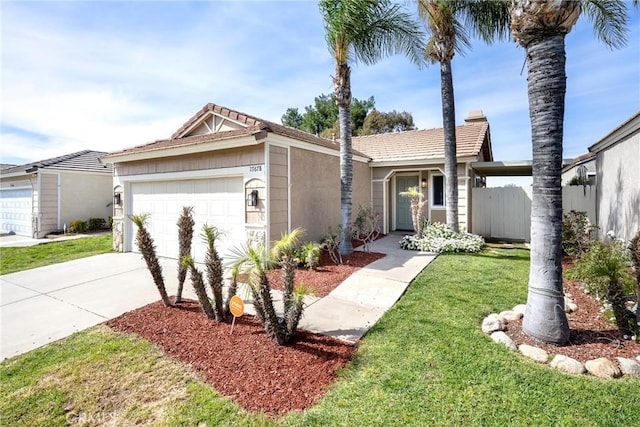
x=618, y=177
x=42, y=197
x=256, y=179
x=583, y=164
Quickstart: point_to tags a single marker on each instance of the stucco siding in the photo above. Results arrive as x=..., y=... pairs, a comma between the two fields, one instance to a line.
x=618, y=189
x=278, y=192
x=244, y=156
x=85, y=196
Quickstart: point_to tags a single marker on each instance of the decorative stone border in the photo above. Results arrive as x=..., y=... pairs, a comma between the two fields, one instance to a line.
x=496, y=323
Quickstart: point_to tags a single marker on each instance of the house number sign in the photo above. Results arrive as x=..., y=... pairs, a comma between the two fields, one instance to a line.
x=256, y=168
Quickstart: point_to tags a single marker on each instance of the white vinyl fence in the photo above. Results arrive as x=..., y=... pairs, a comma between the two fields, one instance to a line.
x=505, y=212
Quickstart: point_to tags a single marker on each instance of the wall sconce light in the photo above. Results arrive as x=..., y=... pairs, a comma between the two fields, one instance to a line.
x=117, y=199
x=423, y=183
x=252, y=198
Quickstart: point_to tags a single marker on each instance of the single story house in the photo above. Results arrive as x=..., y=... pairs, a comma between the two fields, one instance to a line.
x=42, y=197
x=255, y=179
x=618, y=176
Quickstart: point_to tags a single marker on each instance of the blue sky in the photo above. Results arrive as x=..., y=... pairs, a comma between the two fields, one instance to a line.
x=110, y=75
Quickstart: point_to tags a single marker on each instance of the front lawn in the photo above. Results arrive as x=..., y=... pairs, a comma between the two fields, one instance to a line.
x=24, y=258
x=426, y=362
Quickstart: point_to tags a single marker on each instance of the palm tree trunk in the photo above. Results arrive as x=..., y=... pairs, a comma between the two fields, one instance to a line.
x=450, y=159
x=545, y=318
x=342, y=83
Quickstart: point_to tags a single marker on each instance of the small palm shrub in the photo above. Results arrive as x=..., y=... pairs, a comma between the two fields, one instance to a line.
x=215, y=271
x=309, y=254
x=366, y=226
x=604, y=269
x=78, y=226
x=148, y=250
x=198, y=285
x=576, y=233
x=417, y=213
x=437, y=237
x=185, y=238
x=254, y=263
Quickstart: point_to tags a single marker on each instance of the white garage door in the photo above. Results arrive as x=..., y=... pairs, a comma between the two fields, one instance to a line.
x=15, y=211
x=217, y=201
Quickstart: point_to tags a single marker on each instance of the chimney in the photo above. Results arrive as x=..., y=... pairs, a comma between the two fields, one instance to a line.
x=475, y=116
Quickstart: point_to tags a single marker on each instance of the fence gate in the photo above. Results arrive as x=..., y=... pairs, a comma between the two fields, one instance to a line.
x=505, y=212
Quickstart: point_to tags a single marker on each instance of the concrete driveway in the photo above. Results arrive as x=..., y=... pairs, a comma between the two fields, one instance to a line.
x=46, y=304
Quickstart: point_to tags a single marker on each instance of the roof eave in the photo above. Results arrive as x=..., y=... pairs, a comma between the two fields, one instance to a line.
x=621, y=133
x=195, y=148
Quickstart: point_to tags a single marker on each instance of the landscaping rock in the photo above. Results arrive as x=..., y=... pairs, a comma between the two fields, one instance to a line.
x=502, y=338
x=629, y=366
x=534, y=353
x=520, y=308
x=570, y=307
x=492, y=323
x=602, y=368
x=510, y=316
x=638, y=358
x=567, y=364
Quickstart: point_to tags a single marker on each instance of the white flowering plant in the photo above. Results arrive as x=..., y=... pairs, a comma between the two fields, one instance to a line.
x=438, y=238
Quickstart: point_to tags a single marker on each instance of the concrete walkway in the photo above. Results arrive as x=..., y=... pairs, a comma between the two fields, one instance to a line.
x=46, y=304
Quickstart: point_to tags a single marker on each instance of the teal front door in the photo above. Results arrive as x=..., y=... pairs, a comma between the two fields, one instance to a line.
x=403, y=205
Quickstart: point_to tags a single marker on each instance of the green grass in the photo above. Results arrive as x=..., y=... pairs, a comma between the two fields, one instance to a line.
x=426, y=362
x=24, y=258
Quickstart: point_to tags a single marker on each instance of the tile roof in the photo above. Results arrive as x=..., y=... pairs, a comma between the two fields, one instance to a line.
x=255, y=125
x=424, y=144
x=85, y=160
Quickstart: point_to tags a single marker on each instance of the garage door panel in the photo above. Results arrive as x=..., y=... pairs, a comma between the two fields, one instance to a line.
x=15, y=211
x=218, y=202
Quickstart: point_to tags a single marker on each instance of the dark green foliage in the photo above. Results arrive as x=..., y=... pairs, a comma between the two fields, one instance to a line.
x=185, y=237
x=380, y=122
x=148, y=251
x=96, y=223
x=215, y=272
x=198, y=286
x=322, y=117
x=78, y=226
x=576, y=233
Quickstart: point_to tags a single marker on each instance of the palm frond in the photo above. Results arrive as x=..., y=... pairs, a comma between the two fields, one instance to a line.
x=288, y=243
x=210, y=233
x=609, y=19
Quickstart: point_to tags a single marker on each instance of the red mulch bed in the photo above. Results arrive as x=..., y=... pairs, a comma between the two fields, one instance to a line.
x=247, y=366
x=591, y=335
x=328, y=275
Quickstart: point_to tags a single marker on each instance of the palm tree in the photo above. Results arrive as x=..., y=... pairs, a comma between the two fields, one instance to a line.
x=364, y=31
x=284, y=251
x=446, y=22
x=215, y=272
x=198, y=287
x=185, y=237
x=416, y=198
x=540, y=26
x=148, y=250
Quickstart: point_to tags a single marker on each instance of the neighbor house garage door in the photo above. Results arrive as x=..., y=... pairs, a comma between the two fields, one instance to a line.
x=217, y=201
x=15, y=211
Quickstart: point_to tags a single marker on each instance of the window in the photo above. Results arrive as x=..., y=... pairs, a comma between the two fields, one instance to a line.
x=437, y=190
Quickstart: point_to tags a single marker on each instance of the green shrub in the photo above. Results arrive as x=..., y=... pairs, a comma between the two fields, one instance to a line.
x=78, y=226
x=576, y=233
x=437, y=237
x=309, y=255
x=604, y=268
x=96, y=223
